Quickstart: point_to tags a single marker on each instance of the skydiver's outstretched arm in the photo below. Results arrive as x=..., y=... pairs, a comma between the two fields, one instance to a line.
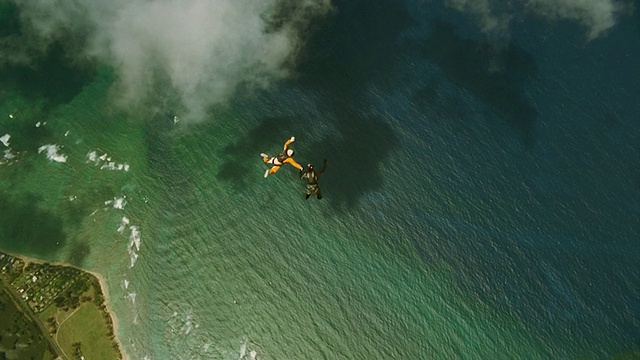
x=286, y=144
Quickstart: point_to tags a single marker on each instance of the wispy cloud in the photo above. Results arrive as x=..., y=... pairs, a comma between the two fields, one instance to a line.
x=596, y=16
x=494, y=16
x=491, y=18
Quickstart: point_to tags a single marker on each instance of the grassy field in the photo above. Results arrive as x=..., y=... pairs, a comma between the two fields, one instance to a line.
x=88, y=327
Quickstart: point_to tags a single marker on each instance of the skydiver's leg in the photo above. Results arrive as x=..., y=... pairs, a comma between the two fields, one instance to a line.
x=308, y=191
x=314, y=189
x=274, y=169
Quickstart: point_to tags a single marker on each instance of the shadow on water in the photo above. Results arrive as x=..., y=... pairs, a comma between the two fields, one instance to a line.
x=355, y=158
x=77, y=210
x=27, y=229
x=235, y=170
x=495, y=75
x=435, y=98
x=9, y=19
x=351, y=50
x=78, y=254
x=352, y=47
x=52, y=76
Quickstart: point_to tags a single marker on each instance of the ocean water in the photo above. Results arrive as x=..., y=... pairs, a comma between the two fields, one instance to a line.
x=481, y=201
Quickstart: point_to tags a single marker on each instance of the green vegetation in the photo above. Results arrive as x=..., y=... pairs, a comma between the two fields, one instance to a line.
x=20, y=338
x=54, y=310
x=80, y=334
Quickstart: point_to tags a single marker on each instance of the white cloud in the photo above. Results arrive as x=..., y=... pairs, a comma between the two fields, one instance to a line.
x=203, y=48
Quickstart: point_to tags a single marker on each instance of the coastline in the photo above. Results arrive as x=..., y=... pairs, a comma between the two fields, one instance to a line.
x=114, y=319
x=103, y=289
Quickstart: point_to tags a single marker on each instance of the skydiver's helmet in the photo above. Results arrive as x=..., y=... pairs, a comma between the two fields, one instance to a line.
x=310, y=167
x=290, y=152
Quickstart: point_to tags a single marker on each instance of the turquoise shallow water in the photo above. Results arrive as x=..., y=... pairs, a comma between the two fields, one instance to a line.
x=479, y=203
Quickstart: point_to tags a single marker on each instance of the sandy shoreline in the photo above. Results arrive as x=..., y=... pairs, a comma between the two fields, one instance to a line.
x=103, y=288
x=114, y=319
